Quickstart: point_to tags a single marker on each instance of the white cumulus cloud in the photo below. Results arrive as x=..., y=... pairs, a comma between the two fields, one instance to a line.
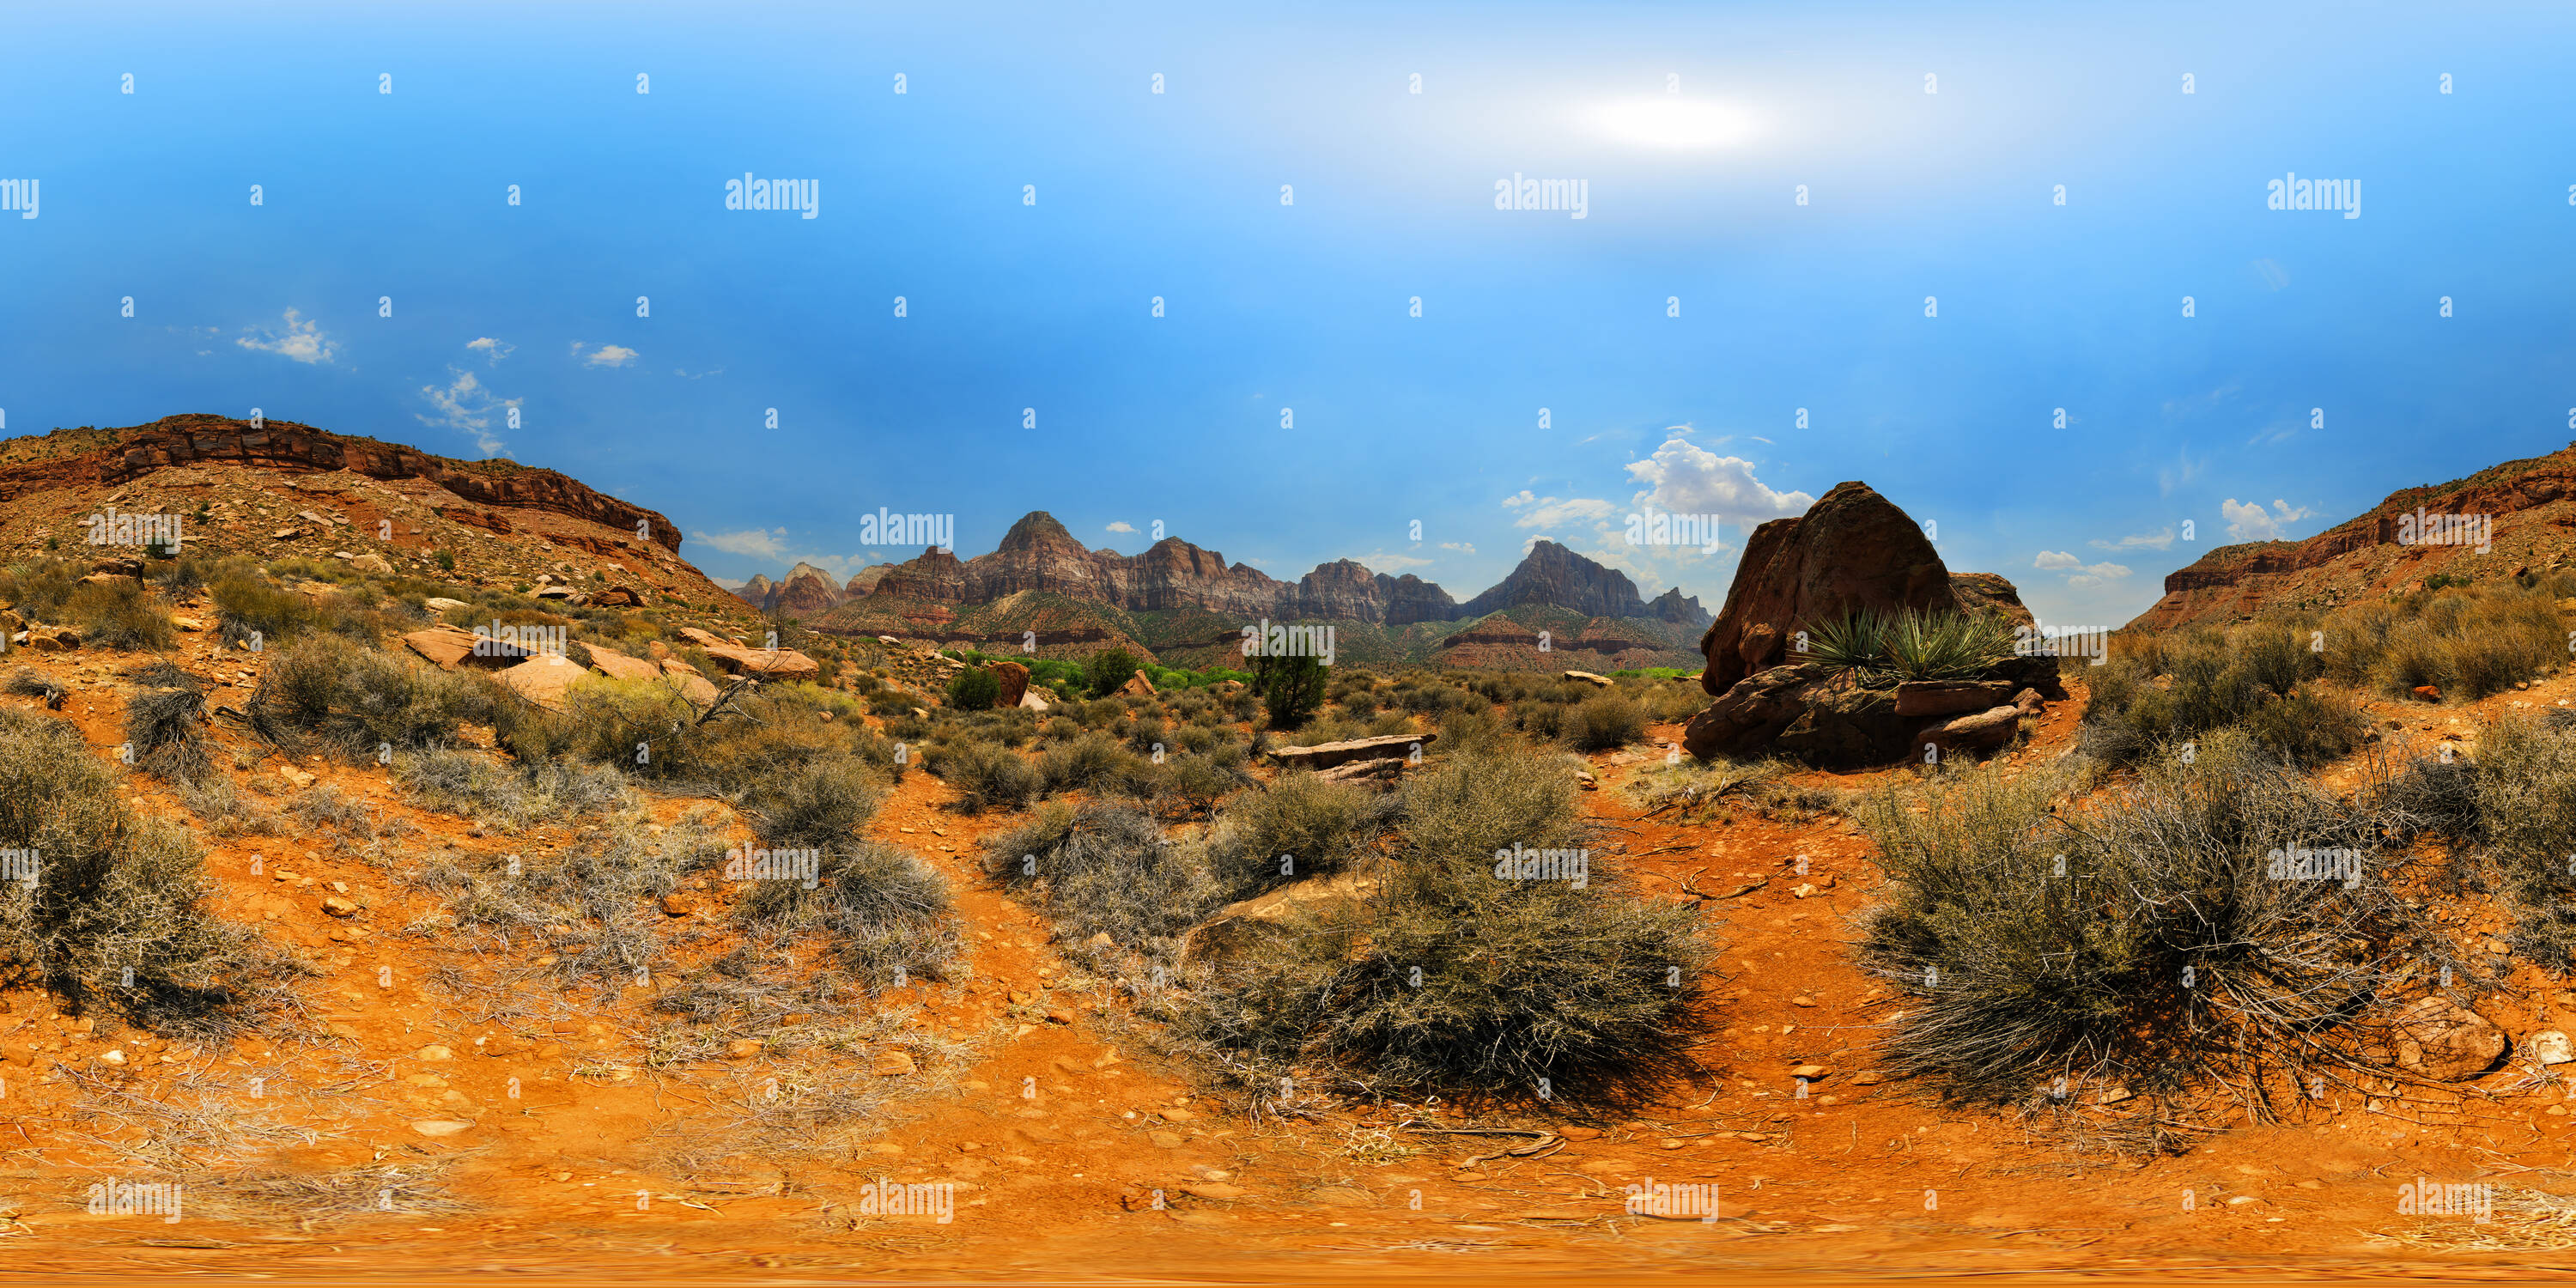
x=465, y=406
x=606, y=355
x=2248, y=521
x=491, y=349
x=1122, y=525
x=1685, y=478
x=2056, y=561
x=301, y=340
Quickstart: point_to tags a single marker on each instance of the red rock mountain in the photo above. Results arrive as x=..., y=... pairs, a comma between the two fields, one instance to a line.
x=755, y=592
x=2529, y=507
x=1038, y=554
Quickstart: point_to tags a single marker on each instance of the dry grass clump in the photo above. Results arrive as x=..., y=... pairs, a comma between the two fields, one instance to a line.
x=1452, y=976
x=119, y=613
x=114, y=893
x=1105, y=869
x=2525, y=792
x=595, y=905
x=2144, y=943
x=2468, y=641
x=358, y=703
x=165, y=730
x=987, y=776
x=1298, y=826
x=886, y=914
x=520, y=793
x=1603, y=722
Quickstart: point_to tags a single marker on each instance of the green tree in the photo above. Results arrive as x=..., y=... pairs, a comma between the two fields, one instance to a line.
x=1291, y=687
x=974, y=690
x=1111, y=668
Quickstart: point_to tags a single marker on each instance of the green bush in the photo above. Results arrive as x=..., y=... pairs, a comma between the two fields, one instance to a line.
x=1604, y=722
x=1109, y=669
x=986, y=777
x=975, y=689
x=1291, y=687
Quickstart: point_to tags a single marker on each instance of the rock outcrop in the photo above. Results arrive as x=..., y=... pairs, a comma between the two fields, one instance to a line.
x=755, y=592
x=807, y=590
x=1552, y=574
x=1852, y=550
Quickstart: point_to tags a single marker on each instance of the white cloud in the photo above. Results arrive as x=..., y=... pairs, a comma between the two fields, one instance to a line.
x=1122, y=525
x=1390, y=564
x=466, y=407
x=491, y=349
x=301, y=340
x=606, y=355
x=2162, y=540
x=2099, y=574
x=1684, y=478
x=1550, y=512
x=2056, y=561
x=2183, y=472
x=750, y=541
x=1462, y=547
x=2247, y=520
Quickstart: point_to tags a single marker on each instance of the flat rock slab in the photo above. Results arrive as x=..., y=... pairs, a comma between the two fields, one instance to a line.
x=449, y=648
x=1326, y=755
x=764, y=663
x=544, y=680
x=617, y=665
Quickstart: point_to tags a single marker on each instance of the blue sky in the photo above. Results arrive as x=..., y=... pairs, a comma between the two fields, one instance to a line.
x=1691, y=127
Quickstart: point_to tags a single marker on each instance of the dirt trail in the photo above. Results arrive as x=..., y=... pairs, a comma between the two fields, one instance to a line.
x=1056, y=1130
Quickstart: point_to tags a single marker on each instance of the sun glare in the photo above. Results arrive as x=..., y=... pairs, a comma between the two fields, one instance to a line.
x=1670, y=122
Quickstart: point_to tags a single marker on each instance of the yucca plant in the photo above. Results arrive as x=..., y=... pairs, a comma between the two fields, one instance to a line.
x=1911, y=645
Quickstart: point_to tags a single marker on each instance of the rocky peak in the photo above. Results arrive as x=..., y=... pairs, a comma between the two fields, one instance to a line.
x=1674, y=606
x=807, y=589
x=1552, y=574
x=755, y=592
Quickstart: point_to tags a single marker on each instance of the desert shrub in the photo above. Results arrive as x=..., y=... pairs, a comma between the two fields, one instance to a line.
x=353, y=700
x=985, y=776
x=119, y=613
x=166, y=730
x=887, y=914
x=1603, y=722
x=1539, y=718
x=1190, y=785
x=2152, y=942
x=1299, y=822
x=1147, y=734
x=602, y=891
x=112, y=892
x=465, y=783
x=2432, y=796
x=2526, y=808
x=1910, y=645
x=248, y=606
x=974, y=689
x=819, y=804
x=322, y=808
x=25, y=683
x=1520, y=980
x=40, y=590
x=2216, y=680
x=1105, y=869
x=1669, y=702
x=1094, y=762
x=1474, y=729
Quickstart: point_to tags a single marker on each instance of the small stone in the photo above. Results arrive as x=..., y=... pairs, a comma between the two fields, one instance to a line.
x=295, y=776
x=1178, y=1115
x=1165, y=1139
x=894, y=1064
x=742, y=1048
x=1811, y=1072
x=339, y=907
x=2549, y=1046
x=1059, y=1015
x=439, y=1127
x=679, y=904
x=433, y=1052
x=113, y=1057
x=1868, y=1078
x=1802, y=1000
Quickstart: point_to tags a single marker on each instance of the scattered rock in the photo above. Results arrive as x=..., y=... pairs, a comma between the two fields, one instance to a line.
x=2549, y=1046
x=433, y=1052
x=1326, y=755
x=294, y=776
x=679, y=903
x=1588, y=677
x=2440, y=1039
x=892, y=1063
x=371, y=562
x=1238, y=925
x=2428, y=692
x=436, y=1128
x=742, y=1048
x=339, y=907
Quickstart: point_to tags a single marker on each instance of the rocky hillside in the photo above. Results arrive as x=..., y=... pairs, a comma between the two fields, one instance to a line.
x=285, y=489
x=2528, y=508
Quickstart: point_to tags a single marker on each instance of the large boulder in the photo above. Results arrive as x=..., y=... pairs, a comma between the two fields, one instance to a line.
x=1753, y=711
x=448, y=648
x=1824, y=716
x=1850, y=551
x=767, y=664
x=544, y=679
x=619, y=666
x=1015, y=683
